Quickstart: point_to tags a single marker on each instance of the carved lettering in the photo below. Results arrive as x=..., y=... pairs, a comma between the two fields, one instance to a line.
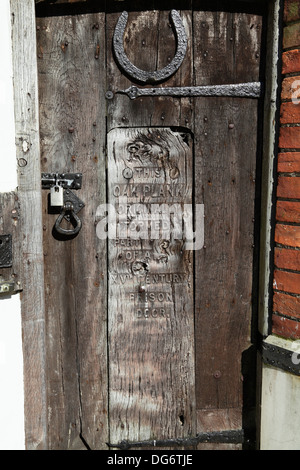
x=146, y=190
x=150, y=182
x=150, y=296
x=152, y=313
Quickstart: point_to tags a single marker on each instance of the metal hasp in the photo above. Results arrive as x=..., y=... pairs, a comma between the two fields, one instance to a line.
x=143, y=76
x=65, y=180
x=216, y=437
x=70, y=204
x=5, y=251
x=240, y=90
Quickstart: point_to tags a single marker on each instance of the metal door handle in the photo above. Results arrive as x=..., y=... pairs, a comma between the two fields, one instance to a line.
x=68, y=207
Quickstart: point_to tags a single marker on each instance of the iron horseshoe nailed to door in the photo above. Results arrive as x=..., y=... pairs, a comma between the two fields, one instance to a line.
x=143, y=76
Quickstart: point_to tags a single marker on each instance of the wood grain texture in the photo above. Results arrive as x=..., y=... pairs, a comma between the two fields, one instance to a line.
x=152, y=335
x=149, y=43
x=72, y=140
x=30, y=223
x=150, y=309
x=210, y=420
x=225, y=169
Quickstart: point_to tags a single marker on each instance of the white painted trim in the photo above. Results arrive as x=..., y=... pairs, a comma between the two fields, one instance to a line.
x=8, y=173
x=269, y=143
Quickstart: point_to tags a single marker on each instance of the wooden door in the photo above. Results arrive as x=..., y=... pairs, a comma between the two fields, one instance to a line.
x=145, y=336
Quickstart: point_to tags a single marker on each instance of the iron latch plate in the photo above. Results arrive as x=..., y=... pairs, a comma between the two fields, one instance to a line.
x=6, y=251
x=65, y=180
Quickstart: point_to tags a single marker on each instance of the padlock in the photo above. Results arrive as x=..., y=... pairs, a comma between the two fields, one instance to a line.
x=56, y=196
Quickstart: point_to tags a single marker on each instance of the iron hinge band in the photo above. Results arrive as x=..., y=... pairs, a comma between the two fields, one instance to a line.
x=281, y=358
x=215, y=437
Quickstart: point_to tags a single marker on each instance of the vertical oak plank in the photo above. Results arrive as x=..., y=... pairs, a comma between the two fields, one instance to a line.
x=150, y=308
x=151, y=359
x=225, y=172
x=71, y=51
x=29, y=193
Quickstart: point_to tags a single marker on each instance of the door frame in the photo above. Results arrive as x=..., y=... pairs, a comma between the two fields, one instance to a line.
x=26, y=104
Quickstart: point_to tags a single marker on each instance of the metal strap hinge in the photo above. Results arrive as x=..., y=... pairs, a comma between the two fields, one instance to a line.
x=215, y=437
x=281, y=358
x=239, y=90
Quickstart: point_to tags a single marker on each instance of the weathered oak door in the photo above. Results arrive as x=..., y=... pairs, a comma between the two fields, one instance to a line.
x=146, y=332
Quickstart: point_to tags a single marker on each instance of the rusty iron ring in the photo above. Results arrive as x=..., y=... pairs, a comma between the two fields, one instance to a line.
x=143, y=76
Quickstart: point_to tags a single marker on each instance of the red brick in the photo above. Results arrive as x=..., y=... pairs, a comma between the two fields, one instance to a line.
x=291, y=36
x=285, y=327
x=291, y=61
x=287, y=235
x=290, y=88
x=286, y=304
x=290, y=113
x=285, y=258
x=288, y=187
x=291, y=10
x=288, y=211
x=286, y=282
x=289, y=138
x=289, y=162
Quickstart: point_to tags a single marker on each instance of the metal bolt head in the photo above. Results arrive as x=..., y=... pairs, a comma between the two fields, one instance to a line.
x=109, y=95
x=127, y=173
x=22, y=162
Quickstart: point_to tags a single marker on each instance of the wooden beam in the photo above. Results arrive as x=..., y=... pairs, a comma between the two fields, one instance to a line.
x=29, y=183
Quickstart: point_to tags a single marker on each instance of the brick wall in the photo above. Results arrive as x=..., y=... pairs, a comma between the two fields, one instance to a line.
x=286, y=283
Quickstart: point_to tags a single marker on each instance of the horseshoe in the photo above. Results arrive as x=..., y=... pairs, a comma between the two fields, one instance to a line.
x=158, y=75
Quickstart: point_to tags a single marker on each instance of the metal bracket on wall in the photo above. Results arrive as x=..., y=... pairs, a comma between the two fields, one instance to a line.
x=281, y=358
x=143, y=76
